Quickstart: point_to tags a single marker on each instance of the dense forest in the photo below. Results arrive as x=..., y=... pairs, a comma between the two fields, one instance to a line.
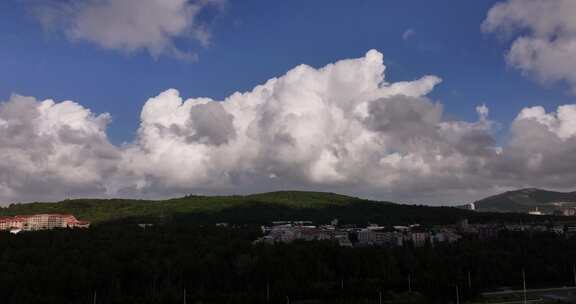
x=124, y=263
x=103, y=210
x=262, y=208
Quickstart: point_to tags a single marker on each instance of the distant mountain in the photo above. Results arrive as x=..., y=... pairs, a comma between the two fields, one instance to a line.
x=525, y=200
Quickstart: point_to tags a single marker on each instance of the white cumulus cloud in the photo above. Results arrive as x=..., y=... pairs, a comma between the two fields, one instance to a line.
x=51, y=150
x=541, y=150
x=130, y=25
x=341, y=128
x=544, y=37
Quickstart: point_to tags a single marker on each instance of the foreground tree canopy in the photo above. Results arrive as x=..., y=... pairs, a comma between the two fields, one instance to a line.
x=123, y=263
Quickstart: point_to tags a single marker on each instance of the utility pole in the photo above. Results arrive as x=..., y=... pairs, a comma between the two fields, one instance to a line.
x=574, y=273
x=457, y=295
x=342, y=289
x=524, y=284
x=184, y=295
x=267, y=292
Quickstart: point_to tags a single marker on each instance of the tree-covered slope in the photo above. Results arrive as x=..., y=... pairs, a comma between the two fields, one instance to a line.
x=524, y=200
x=261, y=208
x=98, y=210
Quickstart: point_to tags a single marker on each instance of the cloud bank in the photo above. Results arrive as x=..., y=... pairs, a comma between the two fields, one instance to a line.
x=341, y=128
x=544, y=37
x=129, y=25
x=52, y=150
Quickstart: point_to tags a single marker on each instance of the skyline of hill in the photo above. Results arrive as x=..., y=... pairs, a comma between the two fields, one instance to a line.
x=261, y=208
x=527, y=199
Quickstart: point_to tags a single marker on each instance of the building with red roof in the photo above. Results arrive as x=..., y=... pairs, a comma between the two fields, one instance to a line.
x=41, y=222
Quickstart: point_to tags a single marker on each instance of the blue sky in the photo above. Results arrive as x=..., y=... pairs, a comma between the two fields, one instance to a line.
x=257, y=40
x=333, y=129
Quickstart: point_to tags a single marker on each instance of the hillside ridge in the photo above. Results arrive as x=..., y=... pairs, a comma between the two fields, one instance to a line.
x=527, y=199
x=99, y=210
x=260, y=208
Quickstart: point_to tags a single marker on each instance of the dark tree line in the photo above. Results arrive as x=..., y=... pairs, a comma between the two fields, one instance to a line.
x=122, y=263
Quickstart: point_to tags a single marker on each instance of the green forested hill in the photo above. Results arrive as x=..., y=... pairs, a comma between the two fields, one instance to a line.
x=261, y=208
x=98, y=210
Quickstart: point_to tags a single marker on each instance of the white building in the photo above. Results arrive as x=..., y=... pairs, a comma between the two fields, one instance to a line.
x=41, y=222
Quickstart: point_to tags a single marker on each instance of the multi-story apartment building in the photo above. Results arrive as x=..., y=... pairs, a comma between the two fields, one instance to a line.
x=286, y=232
x=41, y=222
x=419, y=239
x=375, y=237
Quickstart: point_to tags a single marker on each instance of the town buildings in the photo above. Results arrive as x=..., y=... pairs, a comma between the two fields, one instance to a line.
x=567, y=211
x=372, y=235
x=286, y=232
x=41, y=222
x=412, y=235
x=404, y=235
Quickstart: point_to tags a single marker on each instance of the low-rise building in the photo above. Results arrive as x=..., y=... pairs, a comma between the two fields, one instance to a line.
x=371, y=237
x=41, y=222
x=286, y=232
x=419, y=239
x=569, y=212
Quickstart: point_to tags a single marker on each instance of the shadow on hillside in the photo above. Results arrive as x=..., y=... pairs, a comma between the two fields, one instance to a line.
x=358, y=212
